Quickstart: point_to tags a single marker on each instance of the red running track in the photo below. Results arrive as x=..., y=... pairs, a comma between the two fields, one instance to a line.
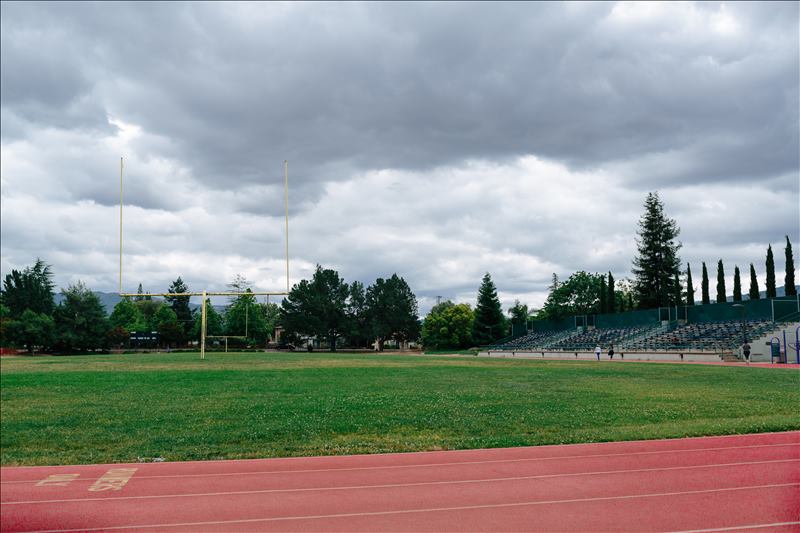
x=733, y=483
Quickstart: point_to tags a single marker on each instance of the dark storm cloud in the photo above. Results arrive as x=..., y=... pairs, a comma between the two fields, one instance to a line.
x=436, y=140
x=347, y=87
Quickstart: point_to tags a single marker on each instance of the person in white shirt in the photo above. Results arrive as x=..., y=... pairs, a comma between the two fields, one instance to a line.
x=597, y=352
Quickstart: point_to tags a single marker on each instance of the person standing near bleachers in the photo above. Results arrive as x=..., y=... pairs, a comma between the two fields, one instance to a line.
x=746, y=351
x=611, y=351
x=597, y=351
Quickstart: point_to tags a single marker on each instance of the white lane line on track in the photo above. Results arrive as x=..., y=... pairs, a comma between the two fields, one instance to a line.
x=423, y=510
x=739, y=528
x=397, y=485
x=427, y=465
x=755, y=436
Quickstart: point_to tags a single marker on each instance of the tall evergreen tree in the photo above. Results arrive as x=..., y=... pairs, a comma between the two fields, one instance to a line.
x=737, y=285
x=602, y=303
x=771, y=293
x=611, y=299
x=489, y=323
x=721, y=298
x=689, y=285
x=704, y=286
x=657, y=259
x=392, y=310
x=180, y=305
x=754, y=293
x=676, y=292
x=789, y=286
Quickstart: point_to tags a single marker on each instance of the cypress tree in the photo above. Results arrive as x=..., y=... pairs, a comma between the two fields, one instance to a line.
x=737, y=285
x=721, y=298
x=657, y=259
x=704, y=286
x=611, y=299
x=754, y=294
x=689, y=285
x=489, y=323
x=676, y=291
x=603, y=295
x=789, y=287
x=771, y=293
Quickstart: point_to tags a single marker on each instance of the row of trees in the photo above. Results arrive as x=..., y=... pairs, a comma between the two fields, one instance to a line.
x=754, y=292
x=327, y=308
x=658, y=279
x=29, y=317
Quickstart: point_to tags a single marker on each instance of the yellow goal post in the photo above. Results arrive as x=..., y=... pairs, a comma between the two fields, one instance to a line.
x=205, y=293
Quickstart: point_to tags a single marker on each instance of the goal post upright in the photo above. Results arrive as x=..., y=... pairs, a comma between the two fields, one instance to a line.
x=203, y=327
x=121, y=166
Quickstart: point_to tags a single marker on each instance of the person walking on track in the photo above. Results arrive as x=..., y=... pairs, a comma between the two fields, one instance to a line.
x=597, y=351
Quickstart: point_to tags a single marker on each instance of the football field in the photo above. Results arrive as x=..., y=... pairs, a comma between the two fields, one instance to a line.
x=141, y=408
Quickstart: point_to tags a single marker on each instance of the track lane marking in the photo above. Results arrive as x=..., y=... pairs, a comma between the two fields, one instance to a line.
x=405, y=454
x=397, y=485
x=427, y=465
x=422, y=510
x=737, y=528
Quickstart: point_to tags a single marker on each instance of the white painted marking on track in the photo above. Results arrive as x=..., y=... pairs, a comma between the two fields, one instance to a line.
x=738, y=528
x=398, y=485
x=456, y=463
x=422, y=510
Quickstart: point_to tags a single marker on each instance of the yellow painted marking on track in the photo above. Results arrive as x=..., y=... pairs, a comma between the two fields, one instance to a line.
x=57, y=480
x=114, y=479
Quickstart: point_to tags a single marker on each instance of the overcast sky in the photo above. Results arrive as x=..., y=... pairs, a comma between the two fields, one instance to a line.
x=436, y=140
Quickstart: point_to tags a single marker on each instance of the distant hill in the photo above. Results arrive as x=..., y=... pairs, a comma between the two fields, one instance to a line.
x=779, y=292
x=111, y=299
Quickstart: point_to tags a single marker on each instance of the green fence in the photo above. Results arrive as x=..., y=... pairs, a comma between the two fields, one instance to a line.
x=627, y=319
x=772, y=309
x=785, y=308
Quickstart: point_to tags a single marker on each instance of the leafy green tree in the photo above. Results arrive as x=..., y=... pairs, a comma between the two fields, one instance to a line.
x=689, y=285
x=449, y=326
x=611, y=299
x=32, y=330
x=737, y=285
x=215, y=324
x=392, y=310
x=704, y=286
x=317, y=307
x=518, y=312
x=5, y=320
x=789, y=285
x=245, y=317
x=271, y=313
x=360, y=329
x=578, y=295
x=755, y=294
x=489, y=323
x=148, y=308
x=657, y=258
x=128, y=316
x=721, y=298
x=180, y=304
x=771, y=292
x=32, y=288
x=81, y=322
x=166, y=321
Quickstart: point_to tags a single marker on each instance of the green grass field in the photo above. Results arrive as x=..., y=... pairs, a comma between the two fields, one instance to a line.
x=88, y=409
